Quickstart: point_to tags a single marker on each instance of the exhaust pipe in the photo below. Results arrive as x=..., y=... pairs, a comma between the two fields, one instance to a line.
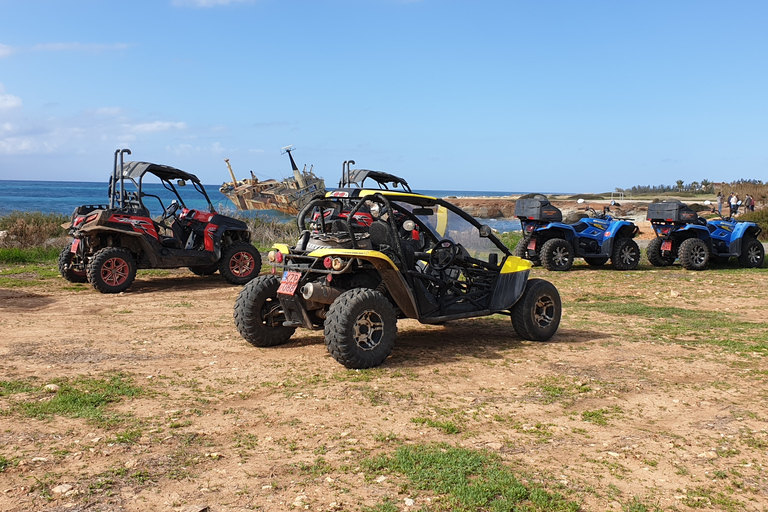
x=320, y=293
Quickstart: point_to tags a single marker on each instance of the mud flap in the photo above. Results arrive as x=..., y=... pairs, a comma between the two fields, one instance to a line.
x=507, y=290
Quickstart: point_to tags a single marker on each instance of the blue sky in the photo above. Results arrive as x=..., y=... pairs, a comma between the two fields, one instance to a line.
x=507, y=95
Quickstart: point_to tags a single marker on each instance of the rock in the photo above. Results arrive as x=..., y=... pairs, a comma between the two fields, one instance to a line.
x=52, y=388
x=197, y=508
x=61, y=489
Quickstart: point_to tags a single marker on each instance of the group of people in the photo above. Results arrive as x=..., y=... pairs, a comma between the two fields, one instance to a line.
x=734, y=202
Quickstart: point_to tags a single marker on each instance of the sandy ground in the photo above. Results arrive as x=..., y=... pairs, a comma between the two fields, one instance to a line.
x=224, y=425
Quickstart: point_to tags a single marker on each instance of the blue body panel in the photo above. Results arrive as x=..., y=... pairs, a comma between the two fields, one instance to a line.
x=602, y=232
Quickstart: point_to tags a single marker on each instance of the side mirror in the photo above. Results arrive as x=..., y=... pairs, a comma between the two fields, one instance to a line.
x=181, y=183
x=485, y=231
x=422, y=211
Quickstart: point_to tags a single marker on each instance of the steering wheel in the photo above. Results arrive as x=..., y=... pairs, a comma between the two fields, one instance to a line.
x=172, y=208
x=443, y=254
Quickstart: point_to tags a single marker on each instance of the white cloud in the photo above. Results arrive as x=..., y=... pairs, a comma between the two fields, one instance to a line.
x=158, y=126
x=208, y=3
x=6, y=50
x=8, y=101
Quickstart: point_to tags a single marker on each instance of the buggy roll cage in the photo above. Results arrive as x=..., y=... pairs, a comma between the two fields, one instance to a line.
x=355, y=178
x=121, y=199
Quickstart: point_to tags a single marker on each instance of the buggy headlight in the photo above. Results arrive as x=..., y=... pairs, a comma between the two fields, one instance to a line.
x=375, y=210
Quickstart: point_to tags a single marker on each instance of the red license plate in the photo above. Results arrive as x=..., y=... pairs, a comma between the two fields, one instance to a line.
x=666, y=245
x=532, y=244
x=289, y=282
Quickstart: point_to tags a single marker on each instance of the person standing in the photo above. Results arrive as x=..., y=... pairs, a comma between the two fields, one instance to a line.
x=720, y=203
x=733, y=202
x=749, y=203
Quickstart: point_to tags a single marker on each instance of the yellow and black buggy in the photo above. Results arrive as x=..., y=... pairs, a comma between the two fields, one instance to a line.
x=367, y=256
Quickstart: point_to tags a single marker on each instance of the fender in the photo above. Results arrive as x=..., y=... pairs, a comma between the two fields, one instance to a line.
x=389, y=272
x=617, y=229
x=558, y=229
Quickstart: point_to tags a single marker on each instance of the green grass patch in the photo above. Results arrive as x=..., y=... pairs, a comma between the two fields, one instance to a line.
x=601, y=416
x=446, y=426
x=83, y=397
x=29, y=255
x=687, y=326
x=6, y=463
x=467, y=480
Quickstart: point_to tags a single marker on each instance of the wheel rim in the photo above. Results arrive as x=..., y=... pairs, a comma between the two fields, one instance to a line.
x=76, y=271
x=698, y=255
x=544, y=311
x=115, y=271
x=560, y=256
x=241, y=264
x=369, y=330
x=627, y=255
x=753, y=255
x=271, y=313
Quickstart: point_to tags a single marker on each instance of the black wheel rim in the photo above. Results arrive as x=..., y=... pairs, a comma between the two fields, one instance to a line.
x=369, y=330
x=271, y=313
x=698, y=255
x=627, y=255
x=544, y=311
x=560, y=256
x=753, y=255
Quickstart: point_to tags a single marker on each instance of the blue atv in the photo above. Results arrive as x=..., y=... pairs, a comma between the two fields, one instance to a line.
x=682, y=234
x=549, y=241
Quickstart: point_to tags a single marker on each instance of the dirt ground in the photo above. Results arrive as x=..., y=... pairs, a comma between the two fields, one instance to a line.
x=613, y=413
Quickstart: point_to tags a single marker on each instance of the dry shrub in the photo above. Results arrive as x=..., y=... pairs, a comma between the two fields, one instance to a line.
x=758, y=191
x=32, y=229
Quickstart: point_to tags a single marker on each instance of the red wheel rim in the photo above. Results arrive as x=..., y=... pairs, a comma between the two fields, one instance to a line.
x=114, y=272
x=241, y=264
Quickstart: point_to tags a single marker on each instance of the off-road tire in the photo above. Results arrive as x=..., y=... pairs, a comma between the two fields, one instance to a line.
x=258, y=315
x=626, y=254
x=655, y=258
x=752, y=253
x=240, y=263
x=204, y=270
x=348, y=334
x=557, y=254
x=521, y=251
x=596, y=261
x=66, y=258
x=536, y=316
x=112, y=270
x=694, y=254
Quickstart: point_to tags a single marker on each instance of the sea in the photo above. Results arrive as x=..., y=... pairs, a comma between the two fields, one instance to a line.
x=64, y=196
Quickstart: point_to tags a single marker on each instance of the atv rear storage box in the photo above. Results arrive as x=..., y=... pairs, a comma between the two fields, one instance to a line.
x=537, y=209
x=671, y=211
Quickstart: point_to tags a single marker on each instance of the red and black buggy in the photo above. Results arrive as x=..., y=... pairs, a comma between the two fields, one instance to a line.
x=110, y=242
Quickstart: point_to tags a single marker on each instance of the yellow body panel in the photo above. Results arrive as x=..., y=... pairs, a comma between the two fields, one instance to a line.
x=283, y=248
x=515, y=264
x=353, y=253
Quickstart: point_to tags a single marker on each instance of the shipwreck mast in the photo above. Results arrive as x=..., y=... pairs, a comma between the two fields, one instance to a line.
x=231, y=173
x=299, y=178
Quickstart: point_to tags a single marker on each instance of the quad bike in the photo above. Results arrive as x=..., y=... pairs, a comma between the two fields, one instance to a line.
x=110, y=242
x=549, y=241
x=682, y=234
x=420, y=257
